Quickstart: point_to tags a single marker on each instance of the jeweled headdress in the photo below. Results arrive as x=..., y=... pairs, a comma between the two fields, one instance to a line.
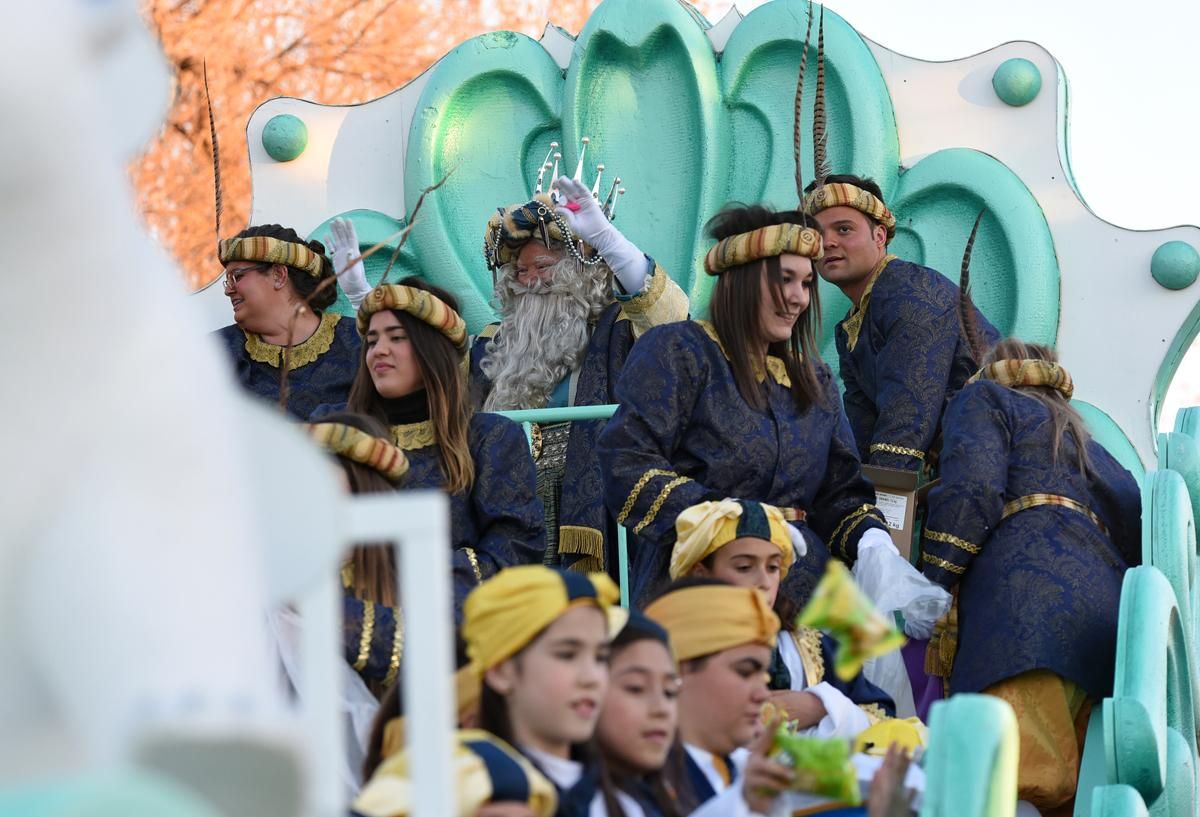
x=510, y=228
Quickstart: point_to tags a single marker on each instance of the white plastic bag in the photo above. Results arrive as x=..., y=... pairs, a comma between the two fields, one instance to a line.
x=893, y=584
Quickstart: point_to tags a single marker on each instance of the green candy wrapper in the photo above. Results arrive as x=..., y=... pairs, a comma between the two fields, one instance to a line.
x=841, y=609
x=822, y=765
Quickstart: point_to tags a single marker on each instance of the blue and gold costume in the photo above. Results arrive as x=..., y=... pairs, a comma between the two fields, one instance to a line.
x=321, y=368
x=684, y=435
x=902, y=357
x=499, y=523
x=585, y=535
x=371, y=642
x=1037, y=551
x=816, y=651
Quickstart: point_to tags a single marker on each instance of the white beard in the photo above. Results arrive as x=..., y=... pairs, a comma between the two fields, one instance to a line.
x=543, y=336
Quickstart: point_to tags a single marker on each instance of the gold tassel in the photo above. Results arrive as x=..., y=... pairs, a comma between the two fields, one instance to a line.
x=943, y=644
x=584, y=541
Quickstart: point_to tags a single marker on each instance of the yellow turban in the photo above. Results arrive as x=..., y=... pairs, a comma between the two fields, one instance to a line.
x=361, y=447
x=267, y=250
x=703, y=529
x=467, y=693
x=486, y=769
x=710, y=618
x=765, y=242
x=509, y=610
x=424, y=306
x=843, y=194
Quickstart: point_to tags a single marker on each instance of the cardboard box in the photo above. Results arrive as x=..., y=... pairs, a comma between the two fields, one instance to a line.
x=897, y=494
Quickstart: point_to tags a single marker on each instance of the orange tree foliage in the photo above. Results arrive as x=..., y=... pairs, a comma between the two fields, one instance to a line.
x=329, y=51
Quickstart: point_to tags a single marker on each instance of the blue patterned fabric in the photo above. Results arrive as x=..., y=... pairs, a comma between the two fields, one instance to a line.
x=325, y=380
x=501, y=518
x=684, y=435
x=582, y=503
x=909, y=360
x=1041, y=588
x=382, y=639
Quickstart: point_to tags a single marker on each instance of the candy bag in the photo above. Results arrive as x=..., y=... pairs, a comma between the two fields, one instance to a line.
x=822, y=765
x=841, y=609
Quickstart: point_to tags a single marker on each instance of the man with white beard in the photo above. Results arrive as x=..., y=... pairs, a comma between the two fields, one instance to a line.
x=573, y=295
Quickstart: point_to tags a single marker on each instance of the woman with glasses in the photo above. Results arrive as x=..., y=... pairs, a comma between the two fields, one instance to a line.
x=280, y=287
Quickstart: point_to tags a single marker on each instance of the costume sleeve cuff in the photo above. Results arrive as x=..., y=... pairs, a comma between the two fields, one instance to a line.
x=659, y=301
x=843, y=719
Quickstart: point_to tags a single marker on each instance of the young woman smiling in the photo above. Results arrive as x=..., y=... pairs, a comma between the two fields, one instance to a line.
x=412, y=378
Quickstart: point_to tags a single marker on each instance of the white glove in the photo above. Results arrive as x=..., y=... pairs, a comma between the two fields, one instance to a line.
x=799, y=545
x=893, y=584
x=343, y=248
x=586, y=218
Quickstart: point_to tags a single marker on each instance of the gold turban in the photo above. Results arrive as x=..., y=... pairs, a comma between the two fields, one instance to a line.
x=486, y=770
x=705, y=528
x=1017, y=373
x=843, y=194
x=267, y=250
x=710, y=618
x=765, y=242
x=424, y=306
x=509, y=610
x=361, y=447
x=467, y=693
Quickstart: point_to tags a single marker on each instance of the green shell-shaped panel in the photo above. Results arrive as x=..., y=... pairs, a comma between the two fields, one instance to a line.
x=372, y=227
x=486, y=118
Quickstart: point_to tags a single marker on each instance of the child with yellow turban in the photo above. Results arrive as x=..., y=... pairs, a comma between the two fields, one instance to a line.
x=538, y=643
x=749, y=544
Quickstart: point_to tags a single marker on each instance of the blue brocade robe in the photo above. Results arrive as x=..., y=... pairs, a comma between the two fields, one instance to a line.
x=684, y=435
x=499, y=523
x=1040, y=588
x=586, y=536
x=817, y=651
x=322, y=367
x=903, y=362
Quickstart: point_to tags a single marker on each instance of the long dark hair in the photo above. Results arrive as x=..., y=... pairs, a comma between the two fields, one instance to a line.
x=445, y=384
x=303, y=283
x=374, y=565
x=735, y=304
x=1065, y=421
x=669, y=786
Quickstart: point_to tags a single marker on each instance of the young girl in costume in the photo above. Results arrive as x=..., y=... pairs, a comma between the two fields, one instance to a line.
x=281, y=287
x=538, y=641
x=637, y=732
x=740, y=406
x=747, y=544
x=411, y=377
x=372, y=633
x=1034, y=525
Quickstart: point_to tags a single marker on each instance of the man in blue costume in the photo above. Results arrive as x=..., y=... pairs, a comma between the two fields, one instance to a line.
x=900, y=349
x=573, y=295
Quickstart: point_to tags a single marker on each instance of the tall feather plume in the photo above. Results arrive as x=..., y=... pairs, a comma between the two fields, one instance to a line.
x=796, y=129
x=820, y=131
x=216, y=154
x=976, y=343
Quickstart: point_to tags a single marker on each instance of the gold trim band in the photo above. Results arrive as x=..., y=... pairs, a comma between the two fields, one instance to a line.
x=943, y=564
x=951, y=539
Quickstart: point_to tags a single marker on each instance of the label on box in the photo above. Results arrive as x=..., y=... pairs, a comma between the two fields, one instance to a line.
x=893, y=506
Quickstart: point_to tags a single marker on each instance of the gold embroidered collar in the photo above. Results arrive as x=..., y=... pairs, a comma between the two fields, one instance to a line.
x=854, y=321
x=412, y=436
x=773, y=364
x=301, y=354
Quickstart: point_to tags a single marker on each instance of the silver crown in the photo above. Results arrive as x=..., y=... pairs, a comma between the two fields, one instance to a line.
x=551, y=163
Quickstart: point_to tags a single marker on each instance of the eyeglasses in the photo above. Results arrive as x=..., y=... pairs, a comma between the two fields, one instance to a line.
x=233, y=278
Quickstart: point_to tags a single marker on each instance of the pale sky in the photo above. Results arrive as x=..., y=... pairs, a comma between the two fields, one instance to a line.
x=1135, y=110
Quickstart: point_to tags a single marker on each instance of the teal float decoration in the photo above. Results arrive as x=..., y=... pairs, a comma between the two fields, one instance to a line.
x=1017, y=82
x=1175, y=265
x=285, y=137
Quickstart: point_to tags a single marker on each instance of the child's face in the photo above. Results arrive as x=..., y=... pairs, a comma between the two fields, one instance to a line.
x=720, y=703
x=554, y=687
x=747, y=562
x=641, y=709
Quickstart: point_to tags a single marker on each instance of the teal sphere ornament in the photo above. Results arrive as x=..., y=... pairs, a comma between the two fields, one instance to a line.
x=1017, y=82
x=285, y=137
x=1175, y=265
